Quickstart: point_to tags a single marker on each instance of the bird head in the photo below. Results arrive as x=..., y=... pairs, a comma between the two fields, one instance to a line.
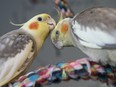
x=39, y=26
x=60, y=36
x=39, y=23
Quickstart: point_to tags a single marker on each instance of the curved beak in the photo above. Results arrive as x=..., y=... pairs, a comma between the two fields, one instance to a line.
x=51, y=22
x=58, y=44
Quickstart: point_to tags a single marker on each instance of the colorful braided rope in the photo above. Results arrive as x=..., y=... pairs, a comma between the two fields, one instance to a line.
x=66, y=71
x=64, y=8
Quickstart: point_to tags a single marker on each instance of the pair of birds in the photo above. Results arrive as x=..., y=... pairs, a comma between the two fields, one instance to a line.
x=93, y=31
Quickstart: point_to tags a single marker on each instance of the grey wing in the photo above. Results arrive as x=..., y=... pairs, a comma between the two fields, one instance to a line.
x=96, y=28
x=15, y=49
x=103, y=18
x=13, y=43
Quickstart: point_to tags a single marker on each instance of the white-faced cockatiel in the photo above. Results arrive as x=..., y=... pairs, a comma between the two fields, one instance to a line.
x=19, y=47
x=93, y=31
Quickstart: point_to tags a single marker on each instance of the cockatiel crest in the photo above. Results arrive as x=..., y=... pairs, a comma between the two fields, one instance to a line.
x=18, y=48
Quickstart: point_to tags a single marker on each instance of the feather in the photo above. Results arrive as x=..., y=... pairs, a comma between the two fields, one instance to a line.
x=19, y=50
x=95, y=31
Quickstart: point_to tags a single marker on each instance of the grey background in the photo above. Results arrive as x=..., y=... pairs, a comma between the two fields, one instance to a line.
x=20, y=11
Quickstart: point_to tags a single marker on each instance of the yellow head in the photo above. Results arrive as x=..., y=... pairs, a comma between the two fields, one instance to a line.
x=60, y=36
x=39, y=27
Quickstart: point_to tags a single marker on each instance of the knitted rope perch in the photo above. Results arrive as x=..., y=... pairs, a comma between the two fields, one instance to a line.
x=64, y=7
x=65, y=71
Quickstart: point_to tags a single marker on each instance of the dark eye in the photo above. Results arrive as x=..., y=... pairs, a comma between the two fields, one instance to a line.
x=39, y=19
x=57, y=33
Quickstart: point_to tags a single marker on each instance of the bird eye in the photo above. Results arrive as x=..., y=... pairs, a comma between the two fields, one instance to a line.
x=39, y=19
x=57, y=33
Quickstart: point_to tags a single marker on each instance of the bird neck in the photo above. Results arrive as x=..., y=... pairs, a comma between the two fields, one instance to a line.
x=69, y=40
x=42, y=34
x=70, y=37
x=39, y=36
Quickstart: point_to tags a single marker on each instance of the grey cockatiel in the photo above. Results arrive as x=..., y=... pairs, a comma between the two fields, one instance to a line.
x=19, y=47
x=93, y=31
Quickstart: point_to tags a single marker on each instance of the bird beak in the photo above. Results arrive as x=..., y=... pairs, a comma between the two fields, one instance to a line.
x=58, y=44
x=51, y=22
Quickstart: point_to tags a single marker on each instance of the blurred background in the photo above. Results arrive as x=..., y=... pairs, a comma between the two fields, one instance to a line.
x=20, y=11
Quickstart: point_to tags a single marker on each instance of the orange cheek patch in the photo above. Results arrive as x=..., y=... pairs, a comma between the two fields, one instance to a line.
x=64, y=28
x=34, y=25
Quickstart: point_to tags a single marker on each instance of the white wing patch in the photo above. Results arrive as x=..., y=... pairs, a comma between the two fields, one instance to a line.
x=92, y=37
x=12, y=65
x=89, y=44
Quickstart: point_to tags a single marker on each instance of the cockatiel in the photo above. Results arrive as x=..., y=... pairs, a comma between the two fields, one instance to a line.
x=19, y=47
x=93, y=31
